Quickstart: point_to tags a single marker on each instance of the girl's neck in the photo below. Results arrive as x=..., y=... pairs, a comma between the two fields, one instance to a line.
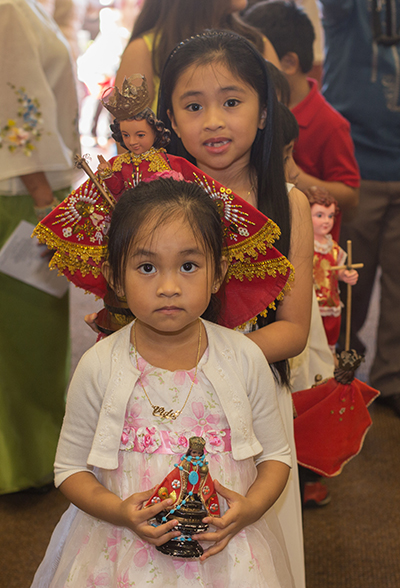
x=173, y=351
x=238, y=179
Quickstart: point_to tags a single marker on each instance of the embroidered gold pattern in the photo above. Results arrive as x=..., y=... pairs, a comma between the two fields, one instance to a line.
x=233, y=213
x=249, y=270
x=71, y=255
x=156, y=162
x=85, y=212
x=257, y=243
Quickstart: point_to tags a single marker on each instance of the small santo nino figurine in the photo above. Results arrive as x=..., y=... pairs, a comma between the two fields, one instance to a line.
x=136, y=129
x=191, y=488
x=77, y=229
x=327, y=254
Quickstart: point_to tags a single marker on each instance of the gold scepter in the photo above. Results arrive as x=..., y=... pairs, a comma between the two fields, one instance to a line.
x=349, y=266
x=81, y=163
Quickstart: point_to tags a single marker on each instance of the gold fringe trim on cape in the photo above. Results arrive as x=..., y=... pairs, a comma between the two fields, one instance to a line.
x=70, y=255
x=259, y=269
x=258, y=243
x=286, y=288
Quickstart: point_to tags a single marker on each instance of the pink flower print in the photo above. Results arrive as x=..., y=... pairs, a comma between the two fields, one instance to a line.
x=84, y=542
x=142, y=556
x=112, y=544
x=165, y=174
x=149, y=439
x=179, y=442
x=99, y=580
x=180, y=377
x=145, y=480
x=253, y=557
x=128, y=438
x=143, y=367
x=202, y=424
x=132, y=418
x=123, y=580
x=191, y=568
x=214, y=441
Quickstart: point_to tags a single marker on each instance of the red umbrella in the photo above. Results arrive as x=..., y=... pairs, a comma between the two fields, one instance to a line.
x=332, y=417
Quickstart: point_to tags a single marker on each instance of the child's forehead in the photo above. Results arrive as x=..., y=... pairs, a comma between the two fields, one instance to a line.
x=155, y=229
x=200, y=73
x=133, y=126
x=315, y=207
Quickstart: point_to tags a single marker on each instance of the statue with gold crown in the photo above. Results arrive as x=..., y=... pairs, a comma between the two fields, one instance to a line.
x=191, y=488
x=76, y=230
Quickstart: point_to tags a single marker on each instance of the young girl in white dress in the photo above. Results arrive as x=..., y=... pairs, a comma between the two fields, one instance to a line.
x=218, y=100
x=139, y=395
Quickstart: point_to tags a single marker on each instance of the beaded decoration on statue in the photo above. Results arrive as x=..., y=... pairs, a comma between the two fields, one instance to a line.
x=191, y=488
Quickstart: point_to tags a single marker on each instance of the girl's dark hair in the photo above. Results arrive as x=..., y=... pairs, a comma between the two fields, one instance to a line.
x=157, y=202
x=172, y=21
x=266, y=161
x=289, y=125
x=281, y=84
x=162, y=134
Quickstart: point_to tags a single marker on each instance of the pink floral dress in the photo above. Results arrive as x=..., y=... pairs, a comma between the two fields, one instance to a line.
x=89, y=553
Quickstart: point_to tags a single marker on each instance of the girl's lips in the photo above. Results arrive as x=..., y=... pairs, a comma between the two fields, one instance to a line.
x=169, y=309
x=217, y=144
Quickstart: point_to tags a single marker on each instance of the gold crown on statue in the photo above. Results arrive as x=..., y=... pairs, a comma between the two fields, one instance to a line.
x=130, y=101
x=197, y=444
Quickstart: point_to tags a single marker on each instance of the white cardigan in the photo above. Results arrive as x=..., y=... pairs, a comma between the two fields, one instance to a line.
x=104, y=380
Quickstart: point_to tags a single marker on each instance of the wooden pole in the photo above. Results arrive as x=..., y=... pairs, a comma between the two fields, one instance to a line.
x=348, y=305
x=81, y=163
x=349, y=266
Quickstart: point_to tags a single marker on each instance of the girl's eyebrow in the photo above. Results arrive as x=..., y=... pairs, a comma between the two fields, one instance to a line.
x=193, y=251
x=147, y=253
x=222, y=90
x=143, y=253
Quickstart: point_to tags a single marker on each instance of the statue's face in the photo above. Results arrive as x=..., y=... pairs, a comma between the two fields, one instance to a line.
x=138, y=135
x=195, y=453
x=323, y=218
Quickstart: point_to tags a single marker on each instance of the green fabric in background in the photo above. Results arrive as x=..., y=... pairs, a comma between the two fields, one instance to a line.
x=34, y=367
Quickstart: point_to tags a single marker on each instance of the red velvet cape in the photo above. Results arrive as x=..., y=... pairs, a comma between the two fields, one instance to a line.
x=258, y=273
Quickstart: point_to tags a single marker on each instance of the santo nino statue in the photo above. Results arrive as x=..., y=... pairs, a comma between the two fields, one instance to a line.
x=191, y=488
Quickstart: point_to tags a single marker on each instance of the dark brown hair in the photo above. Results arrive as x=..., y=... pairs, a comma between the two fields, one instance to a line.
x=157, y=202
x=172, y=21
x=266, y=161
x=162, y=134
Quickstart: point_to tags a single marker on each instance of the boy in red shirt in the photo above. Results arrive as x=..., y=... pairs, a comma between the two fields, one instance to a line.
x=324, y=151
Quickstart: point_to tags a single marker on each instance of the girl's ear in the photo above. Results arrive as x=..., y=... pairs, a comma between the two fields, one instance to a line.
x=173, y=123
x=218, y=281
x=263, y=118
x=107, y=273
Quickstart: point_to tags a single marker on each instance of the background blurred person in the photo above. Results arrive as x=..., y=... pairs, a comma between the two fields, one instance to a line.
x=162, y=24
x=362, y=80
x=39, y=138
